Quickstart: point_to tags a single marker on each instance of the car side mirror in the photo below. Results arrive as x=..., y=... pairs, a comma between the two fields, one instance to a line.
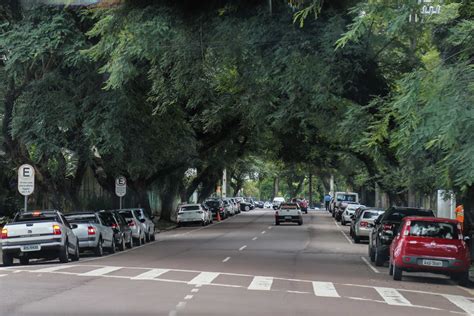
x=467, y=238
x=74, y=226
x=142, y=220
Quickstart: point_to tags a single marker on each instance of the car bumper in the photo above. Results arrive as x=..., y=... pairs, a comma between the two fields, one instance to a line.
x=88, y=242
x=47, y=249
x=415, y=264
x=290, y=219
x=364, y=233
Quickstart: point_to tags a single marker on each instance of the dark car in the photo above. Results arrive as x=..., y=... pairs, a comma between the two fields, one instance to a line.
x=246, y=205
x=385, y=228
x=259, y=204
x=122, y=232
x=215, y=206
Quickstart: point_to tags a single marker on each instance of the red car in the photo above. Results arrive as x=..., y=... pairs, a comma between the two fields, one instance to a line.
x=303, y=205
x=427, y=244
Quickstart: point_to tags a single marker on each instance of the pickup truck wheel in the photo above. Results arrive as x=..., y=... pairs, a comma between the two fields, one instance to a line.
x=153, y=238
x=300, y=223
x=122, y=244
x=379, y=259
x=99, y=249
x=112, y=246
x=76, y=255
x=24, y=261
x=397, y=273
x=64, y=254
x=7, y=259
x=371, y=253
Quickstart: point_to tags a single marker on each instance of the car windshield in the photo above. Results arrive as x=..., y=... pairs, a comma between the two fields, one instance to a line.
x=398, y=215
x=433, y=230
x=370, y=215
x=36, y=217
x=190, y=208
x=346, y=197
x=82, y=219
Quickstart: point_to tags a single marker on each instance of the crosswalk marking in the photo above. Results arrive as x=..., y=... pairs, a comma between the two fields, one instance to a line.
x=151, y=274
x=101, y=271
x=52, y=269
x=204, y=278
x=461, y=302
x=325, y=289
x=2, y=275
x=261, y=283
x=392, y=296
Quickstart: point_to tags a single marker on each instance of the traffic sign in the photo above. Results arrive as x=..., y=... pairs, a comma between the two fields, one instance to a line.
x=120, y=186
x=26, y=180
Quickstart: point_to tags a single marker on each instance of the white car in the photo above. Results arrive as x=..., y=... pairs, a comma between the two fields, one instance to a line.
x=349, y=211
x=193, y=213
x=277, y=201
x=268, y=205
x=138, y=230
x=229, y=207
x=146, y=221
x=39, y=234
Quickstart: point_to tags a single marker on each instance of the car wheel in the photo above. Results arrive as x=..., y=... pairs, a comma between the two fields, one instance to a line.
x=203, y=223
x=64, y=254
x=397, y=273
x=147, y=237
x=461, y=278
x=99, y=249
x=300, y=223
x=24, y=261
x=112, y=246
x=390, y=268
x=130, y=243
x=247, y=208
x=371, y=254
x=343, y=222
x=356, y=239
x=379, y=259
x=7, y=259
x=76, y=255
x=121, y=246
x=152, y=236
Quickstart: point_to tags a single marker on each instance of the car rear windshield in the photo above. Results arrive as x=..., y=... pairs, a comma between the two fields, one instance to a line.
x=346, y=197
x=289, y=206
x=370, y=215
x=36, y=217
x=82, y=219
x=398, y=215
x=190, y=208
x=127, y=214
x=138, y=213
x=212, y=203
x=433, y=230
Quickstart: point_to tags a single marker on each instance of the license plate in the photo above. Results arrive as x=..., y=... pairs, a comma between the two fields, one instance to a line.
x=287, y=217
x=432, y=263
x=30, y=248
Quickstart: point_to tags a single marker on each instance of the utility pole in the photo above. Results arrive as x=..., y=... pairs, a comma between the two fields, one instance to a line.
x=224, y=183
x=270, y=6
x=310, y=189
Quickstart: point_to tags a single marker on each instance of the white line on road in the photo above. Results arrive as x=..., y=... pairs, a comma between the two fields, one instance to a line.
x=150, y=275
x=226, y=259
x=204, y=278
x=194, y=290
x=261, y=283
x=181, y=305
x=2, y=275
x=242, y=248
x=369, y=265
x=101, y=271
x=53, y=268
x=348, y=239
x=254, y=238
x=325, y=289
x=269, y=227
x=392, y=296
x=263, y=232
x=188, y=297
x=461, y=302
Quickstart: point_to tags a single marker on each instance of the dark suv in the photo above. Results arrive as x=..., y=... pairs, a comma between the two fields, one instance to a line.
x=385, y=228
x=216, y=205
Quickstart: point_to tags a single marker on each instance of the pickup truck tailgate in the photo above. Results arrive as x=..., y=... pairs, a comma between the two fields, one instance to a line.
x=29, y=230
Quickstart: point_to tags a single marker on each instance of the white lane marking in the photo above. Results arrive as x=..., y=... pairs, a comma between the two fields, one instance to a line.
x=181, y=305
x=52, y=269
x=2, y=275
x=254, y=238
x=470, y=291
x=194, y=290
x=338, y=226
x=19, y=271
x=149, y=275
x=226, y=259
x=173, y=313
x=461, y=302
x=242, y=248
x=188, y=297
x=325, y=289
x=263, y=232
x=392, y=296
x=297, y=292
x=269, y=227
x=100, y=271
x=261, y=283
x=204, y=278
x=369, y=265
x=348, y=239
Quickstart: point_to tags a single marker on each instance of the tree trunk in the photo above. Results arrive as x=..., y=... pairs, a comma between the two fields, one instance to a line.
x=276, y=187
x=310, y=189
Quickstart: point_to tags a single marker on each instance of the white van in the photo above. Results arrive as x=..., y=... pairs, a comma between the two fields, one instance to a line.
x=277, y=201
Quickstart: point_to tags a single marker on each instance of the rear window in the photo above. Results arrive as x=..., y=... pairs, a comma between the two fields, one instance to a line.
x=370, y=215
x=36, y=217
x=212, y=203
x=190, y=208
x=289, y=206
x=433, y=230
x=398, y=215
x=82, y=219
x=138, y=213
x=127, y=214
x=226, y=203
x=346, y=197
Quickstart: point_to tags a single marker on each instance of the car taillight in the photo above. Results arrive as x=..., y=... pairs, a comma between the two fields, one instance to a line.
x=56, y=230
x=387, y=227
x=4, y=234
x=90, y=230
x=363, y=224
x=114, y=226
x=131, y=224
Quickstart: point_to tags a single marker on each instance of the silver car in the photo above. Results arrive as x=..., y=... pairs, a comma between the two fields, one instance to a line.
x=138, y=231
x=147, y=223
x=362, y=223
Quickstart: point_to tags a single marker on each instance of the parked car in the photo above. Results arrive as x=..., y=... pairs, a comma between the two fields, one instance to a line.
x=340, y=202
x=93, y=232
x=361, y=223
x=138, y=231
x=268, y=204
x=122, y=232
x=433, y=245
x=235, y=205
x=146, y=221
x=259, y=204
x=39, y=234
x=246, y=205
x=216, y=206
x=385, y=227
x=228, y=207
x=288, y=213
x=193, y=213
x=277, y=201
x=349, y=212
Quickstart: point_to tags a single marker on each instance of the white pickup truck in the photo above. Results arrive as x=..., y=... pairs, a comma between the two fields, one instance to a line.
x=289, y=213
x=39, y=234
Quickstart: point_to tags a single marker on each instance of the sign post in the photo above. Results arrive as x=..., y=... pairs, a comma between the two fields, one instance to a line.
x=26, y=182
x=120, y=188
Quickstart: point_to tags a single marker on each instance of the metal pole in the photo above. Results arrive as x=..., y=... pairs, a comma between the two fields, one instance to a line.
x=120, y=202
x=26, y=203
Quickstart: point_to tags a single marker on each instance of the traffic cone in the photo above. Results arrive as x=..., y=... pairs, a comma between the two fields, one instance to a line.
x=218, y=216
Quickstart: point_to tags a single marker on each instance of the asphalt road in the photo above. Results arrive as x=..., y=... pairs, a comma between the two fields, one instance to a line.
x=242, y=266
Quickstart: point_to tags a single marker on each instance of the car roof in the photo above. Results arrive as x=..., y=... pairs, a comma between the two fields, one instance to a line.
x=40, y=211
x=80, y=213
x=430, y=219
x=191, y=204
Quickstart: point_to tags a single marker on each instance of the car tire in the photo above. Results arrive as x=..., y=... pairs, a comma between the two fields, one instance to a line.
x=277, y=223
x=24, y=261
x=130, y=243
x=147, y=237
x=121, y=246
x=64, y=254
x=112, y=246
x=7, y=259
x=99, y=249
x=397, y=273
x=152, y=236
x=379, y=259
x=247, y=208
x=371, y=254
x=390, y=269
x=300, y=223
x=461, y=278
x=356, y=240
x=343, y=222
x=203, y=223
x=76, y=255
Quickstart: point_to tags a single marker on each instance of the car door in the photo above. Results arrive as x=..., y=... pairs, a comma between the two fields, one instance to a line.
x=71, y=237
